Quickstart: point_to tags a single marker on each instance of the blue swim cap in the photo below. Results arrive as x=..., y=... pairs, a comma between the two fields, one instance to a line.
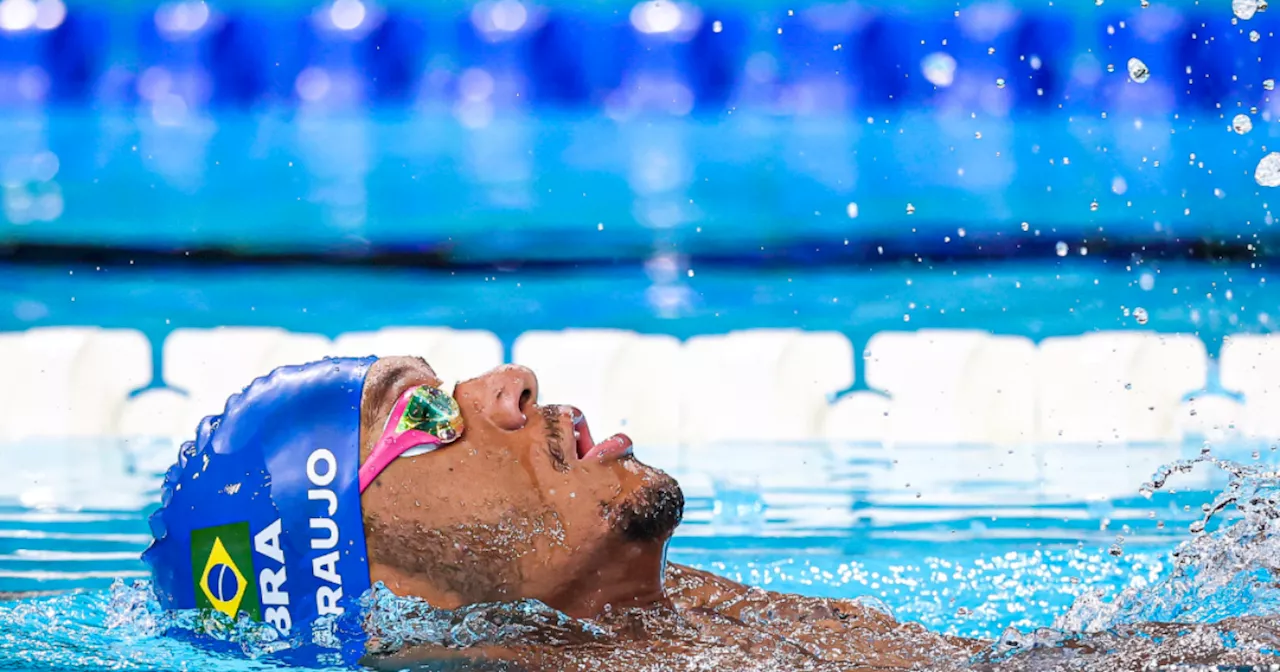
x=261, y=513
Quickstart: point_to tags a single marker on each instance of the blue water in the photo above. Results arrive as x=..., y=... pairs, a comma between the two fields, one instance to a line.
x=1009, y=547
x=958, y=553
x=1008, y=539
x=585, y=187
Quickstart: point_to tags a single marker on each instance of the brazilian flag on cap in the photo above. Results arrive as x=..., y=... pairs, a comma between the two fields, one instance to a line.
x=222, y=568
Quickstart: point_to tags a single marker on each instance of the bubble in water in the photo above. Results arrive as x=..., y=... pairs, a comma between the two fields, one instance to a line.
x=1140, y=314
x=1111, y=67
x=1268, y=172
x=1269, y=84
x=1244, y=9
x=1000, y=82
x=1254, y=36
x=977, y=135
x=911, y=209
x=1061, y=248
x=1146, y=4
x=1138, y=71
x=1093, y=206
x=1026, y=226
x=1242, y=124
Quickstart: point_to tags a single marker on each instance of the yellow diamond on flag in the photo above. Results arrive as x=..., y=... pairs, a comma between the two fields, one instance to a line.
x=222, y=583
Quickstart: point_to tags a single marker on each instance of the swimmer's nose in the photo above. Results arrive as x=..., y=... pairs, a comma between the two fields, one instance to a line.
x=513, y=390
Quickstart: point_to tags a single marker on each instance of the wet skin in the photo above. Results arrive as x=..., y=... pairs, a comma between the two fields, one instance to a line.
x=511, y=510
x=517, y=508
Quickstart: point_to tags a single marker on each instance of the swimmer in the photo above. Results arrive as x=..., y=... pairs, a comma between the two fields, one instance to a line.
x=322, y=480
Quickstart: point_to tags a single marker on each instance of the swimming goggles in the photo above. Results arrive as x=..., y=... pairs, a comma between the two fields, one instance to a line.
x=424, y=419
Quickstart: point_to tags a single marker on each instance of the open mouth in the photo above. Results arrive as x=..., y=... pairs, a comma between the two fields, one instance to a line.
x=616, y=446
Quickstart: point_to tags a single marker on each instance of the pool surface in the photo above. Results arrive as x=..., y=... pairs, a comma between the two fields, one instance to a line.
x=972, y=548
x=966, y=539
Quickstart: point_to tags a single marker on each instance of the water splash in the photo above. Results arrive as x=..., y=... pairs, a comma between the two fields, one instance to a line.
x=1216, y=606
x=1229, y=572
x=125, y=628
x=395, y=623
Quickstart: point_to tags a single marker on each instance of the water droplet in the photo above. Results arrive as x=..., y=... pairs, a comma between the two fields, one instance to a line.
x=1061, y=249
x=1269, y=84
x=1026, y=226
x=1128, y=386
x=1140, y=314
x=1146, y=4
x=1093, y=206
x=1000, y=82
x=911, y=209
x=1244, y=9
x=1138, y=71
x=1111, y=67
x=991, y=50
x=1242, y=124
x=1254, y=36
x=977, y=136
x=1268, y=172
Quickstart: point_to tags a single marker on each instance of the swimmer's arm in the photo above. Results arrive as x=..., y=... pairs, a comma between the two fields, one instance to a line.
x=689, y=588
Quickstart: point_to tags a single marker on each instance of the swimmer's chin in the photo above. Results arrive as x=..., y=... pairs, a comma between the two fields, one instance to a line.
x=652, y=513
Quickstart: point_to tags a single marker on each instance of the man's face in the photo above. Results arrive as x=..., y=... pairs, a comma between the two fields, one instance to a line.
x=521, y=506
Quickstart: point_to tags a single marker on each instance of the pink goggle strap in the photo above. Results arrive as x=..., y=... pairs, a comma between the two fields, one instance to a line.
x=422, y=416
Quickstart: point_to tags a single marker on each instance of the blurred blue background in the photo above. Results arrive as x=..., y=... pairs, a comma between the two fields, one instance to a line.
x=602, y=132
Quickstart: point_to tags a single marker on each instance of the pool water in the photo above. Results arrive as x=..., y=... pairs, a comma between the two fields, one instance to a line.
x=970, y=540
x=955, y=551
